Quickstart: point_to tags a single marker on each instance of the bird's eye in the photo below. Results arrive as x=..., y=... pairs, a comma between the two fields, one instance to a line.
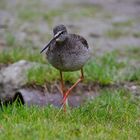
x=62, y=32
x=59, y=33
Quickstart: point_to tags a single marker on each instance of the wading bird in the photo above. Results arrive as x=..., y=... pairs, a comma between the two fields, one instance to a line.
x=67, y=52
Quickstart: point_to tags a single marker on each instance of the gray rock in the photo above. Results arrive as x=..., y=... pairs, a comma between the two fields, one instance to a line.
x=15, y=74
x=13, y=77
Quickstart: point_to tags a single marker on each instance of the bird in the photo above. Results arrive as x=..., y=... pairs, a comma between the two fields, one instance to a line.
x=67, y=53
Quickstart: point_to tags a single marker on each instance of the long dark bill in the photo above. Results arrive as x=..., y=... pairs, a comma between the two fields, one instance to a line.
x=55, y=37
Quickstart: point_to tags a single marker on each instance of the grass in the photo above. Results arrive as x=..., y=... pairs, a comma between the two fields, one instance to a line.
x=134, y=50
x=136, y=34
x=2, y=4
x=84, y=10
x=42, y=74
x=65, y=10
x=127, y=23
x=10, y=39
x=30, y=13
x=33, y=14
x=118, y=30
x=130, y=52
x=115, y=33
x=132, y=75
x=102, y=70
x=113, y=115
x=19, y=53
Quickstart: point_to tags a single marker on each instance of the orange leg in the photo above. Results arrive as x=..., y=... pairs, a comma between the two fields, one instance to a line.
x=71, y=88
x=62, y=88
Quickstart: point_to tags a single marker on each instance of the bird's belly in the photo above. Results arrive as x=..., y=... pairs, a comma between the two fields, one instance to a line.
x=68, y=61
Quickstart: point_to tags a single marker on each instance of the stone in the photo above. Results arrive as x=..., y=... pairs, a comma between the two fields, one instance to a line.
x=13, y=77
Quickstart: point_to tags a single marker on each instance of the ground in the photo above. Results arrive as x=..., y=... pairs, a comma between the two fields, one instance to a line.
x=112, y=29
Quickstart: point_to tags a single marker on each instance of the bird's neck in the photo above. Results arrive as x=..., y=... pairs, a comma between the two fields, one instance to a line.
x=59, y=43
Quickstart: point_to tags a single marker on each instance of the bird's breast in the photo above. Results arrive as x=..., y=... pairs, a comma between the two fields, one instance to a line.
x=68, y=58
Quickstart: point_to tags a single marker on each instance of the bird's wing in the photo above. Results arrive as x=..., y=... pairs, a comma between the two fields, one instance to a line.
x=79, y=38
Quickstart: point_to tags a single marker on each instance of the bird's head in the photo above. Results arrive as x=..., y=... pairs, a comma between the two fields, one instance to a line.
x=60, y=32
x=60, y=35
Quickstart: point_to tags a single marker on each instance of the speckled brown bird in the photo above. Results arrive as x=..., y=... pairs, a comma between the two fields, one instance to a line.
x=67, y=52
